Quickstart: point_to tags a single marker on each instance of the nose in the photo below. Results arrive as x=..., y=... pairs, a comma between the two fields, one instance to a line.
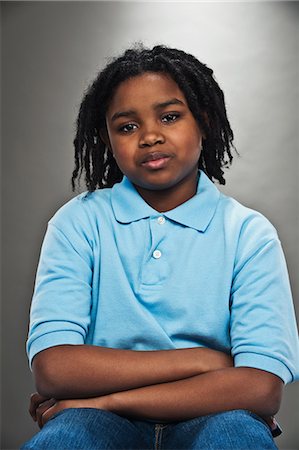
x=151, y=136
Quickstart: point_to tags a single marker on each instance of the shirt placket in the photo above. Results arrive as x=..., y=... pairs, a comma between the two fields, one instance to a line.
x=154, y=271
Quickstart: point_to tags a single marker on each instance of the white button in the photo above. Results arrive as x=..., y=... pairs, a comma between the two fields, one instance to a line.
x=161, y=220
x=157, y=254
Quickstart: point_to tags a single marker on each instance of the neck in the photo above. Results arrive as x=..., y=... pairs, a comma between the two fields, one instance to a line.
x=166, y=199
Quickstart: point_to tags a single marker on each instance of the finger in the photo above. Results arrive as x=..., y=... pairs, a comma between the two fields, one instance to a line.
x=268, y=419
x=49, y=413
x=35, y=400
x=42, y=408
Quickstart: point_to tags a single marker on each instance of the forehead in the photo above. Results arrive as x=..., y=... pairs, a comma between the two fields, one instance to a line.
x=147, y=88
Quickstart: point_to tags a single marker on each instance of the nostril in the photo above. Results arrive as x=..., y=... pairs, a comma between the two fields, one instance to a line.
x=149, y=142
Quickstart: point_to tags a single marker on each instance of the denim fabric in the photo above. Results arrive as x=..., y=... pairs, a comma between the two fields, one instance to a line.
x=94, y=429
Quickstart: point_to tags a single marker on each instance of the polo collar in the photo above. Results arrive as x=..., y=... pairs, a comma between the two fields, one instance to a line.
x=128, y=205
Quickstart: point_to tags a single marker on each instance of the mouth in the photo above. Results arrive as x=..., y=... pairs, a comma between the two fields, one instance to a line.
x=155, y=160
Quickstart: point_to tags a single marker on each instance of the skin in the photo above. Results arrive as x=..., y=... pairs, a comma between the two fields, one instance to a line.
x=107, y=371
x=148, y=114
x=148, y=118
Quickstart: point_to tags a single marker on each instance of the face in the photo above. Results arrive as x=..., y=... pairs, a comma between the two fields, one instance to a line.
x=152, y=133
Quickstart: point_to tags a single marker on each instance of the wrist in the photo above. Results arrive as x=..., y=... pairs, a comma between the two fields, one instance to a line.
x=112, y=402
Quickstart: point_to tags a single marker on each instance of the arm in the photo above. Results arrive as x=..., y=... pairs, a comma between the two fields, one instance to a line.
x=263, y=327
x=222, y=390
x=232, y=388
x=79, y=371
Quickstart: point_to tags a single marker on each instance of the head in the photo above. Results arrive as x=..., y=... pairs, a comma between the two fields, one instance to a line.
x=194, y=80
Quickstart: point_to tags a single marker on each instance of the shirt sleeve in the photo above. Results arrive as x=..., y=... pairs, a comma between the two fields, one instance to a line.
x=263, y=325
x=60, y=309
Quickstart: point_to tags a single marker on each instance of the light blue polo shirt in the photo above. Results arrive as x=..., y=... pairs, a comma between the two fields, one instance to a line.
x=116, y=273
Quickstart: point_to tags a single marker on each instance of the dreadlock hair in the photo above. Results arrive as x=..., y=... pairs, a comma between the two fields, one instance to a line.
x=203, y=94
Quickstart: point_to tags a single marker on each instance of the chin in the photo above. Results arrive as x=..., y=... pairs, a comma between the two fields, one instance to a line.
x=156, y=186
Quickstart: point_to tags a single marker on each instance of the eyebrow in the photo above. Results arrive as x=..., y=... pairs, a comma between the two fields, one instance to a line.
x=132, y=112
x=173, y=101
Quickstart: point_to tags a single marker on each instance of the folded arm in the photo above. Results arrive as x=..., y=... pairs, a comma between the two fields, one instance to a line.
x=80, y=371
x=232, y=388
x=220, y=390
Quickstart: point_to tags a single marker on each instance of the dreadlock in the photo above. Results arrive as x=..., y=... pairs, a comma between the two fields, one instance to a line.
x=203, y=94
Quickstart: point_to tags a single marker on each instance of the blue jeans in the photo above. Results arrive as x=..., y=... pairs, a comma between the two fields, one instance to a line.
x=94, y=429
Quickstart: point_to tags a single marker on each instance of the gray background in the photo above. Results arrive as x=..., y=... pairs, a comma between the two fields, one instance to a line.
x=51, y=51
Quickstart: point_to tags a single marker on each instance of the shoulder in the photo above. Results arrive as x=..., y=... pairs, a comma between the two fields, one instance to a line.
x=247, y=231
x=244, y=220
x=83, y=209
x=231, y=216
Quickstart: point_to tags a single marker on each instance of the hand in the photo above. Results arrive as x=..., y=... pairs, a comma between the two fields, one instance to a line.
x=38, y=405
x=42, y=408
x=273, y=424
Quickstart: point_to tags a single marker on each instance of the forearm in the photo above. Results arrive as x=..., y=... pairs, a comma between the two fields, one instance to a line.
x=79, y=371
x=222, y=390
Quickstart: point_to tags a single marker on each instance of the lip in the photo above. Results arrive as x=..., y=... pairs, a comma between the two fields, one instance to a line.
x=153, y=156
x=155, y=160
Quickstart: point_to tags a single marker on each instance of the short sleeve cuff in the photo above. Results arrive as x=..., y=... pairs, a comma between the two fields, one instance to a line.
x=51, y=339
x=263, y=362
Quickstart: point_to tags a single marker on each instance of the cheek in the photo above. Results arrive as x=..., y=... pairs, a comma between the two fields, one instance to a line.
x=192, y=147
x=119, y=148
x=123, y=156
x=189, y=138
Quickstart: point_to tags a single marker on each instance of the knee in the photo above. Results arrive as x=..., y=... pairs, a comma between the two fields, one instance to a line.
x=69, y=429
x=242, y=423
x=237, y=429
x=238, y=418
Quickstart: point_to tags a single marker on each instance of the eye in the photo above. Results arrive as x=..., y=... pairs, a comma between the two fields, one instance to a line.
x=170, y=117
x=127, y=128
